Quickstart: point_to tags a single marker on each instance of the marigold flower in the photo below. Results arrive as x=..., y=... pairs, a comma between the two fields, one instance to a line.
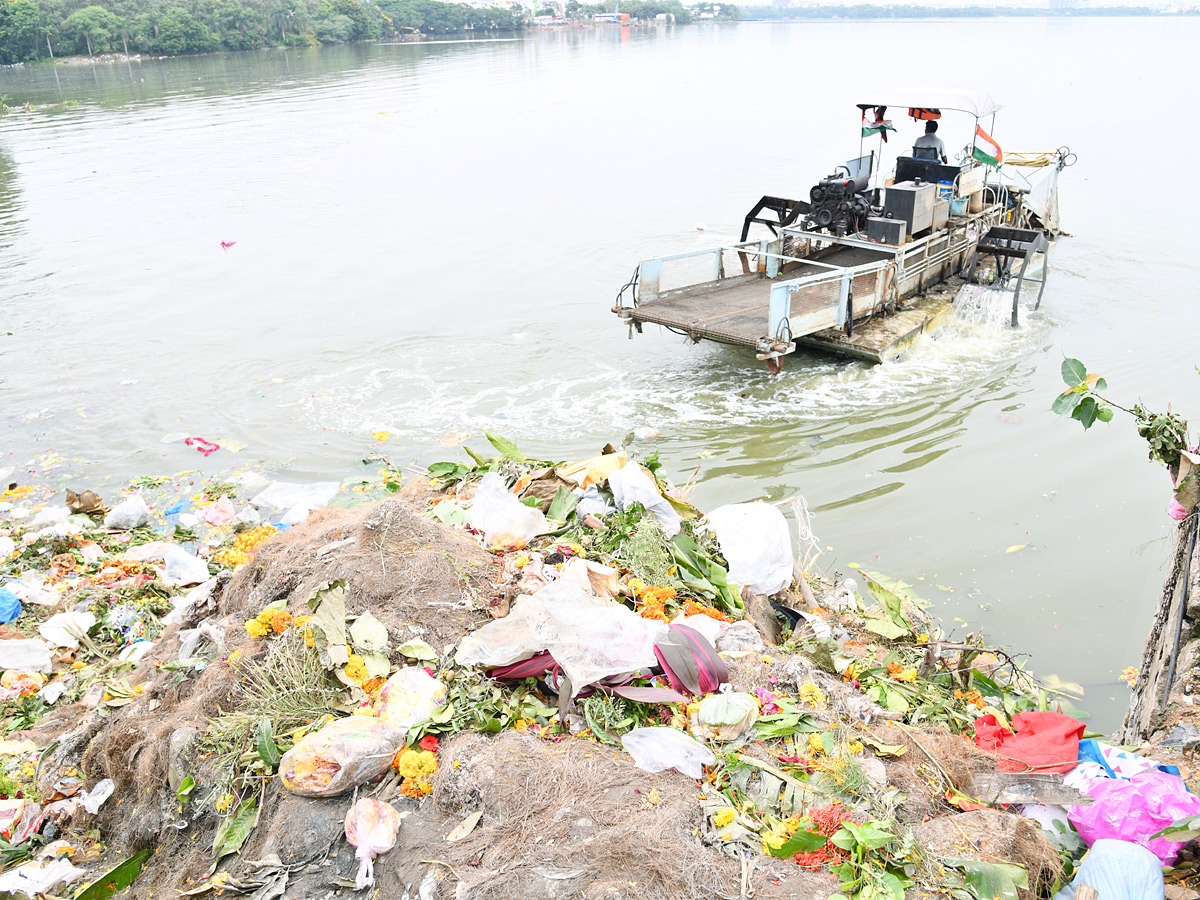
x=724, y=816
x=280, y=621
x=256, y=629
x=811, y=695
x=356, y=669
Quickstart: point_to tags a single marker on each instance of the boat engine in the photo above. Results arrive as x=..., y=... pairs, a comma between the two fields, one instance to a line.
x=839, y=205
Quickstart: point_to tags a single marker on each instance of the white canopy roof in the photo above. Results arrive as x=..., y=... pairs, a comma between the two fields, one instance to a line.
x=975, y=103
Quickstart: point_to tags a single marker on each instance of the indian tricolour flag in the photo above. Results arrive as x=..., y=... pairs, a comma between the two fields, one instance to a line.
x=986, y=148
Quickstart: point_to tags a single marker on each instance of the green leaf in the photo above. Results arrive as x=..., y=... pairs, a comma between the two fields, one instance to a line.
x=233, y=831
x=884, y=627
x=869, y=835
x=800, y=842
x=417, y=649
x=843, y=839
x=264, y=740
x=1085, y=412
x=1181, y=830
x=1104, y=414
x=1073, y=372
x=562, y=505
x=992, y=880
x=185, y=790
x=119, y=877
x=895, y=884
x=896, y=701
x=479, y=460
x=442, y=469
x=1064, y=404
x=506, y=447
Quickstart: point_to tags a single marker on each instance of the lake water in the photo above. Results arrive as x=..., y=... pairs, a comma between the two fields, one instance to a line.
x=429, y=238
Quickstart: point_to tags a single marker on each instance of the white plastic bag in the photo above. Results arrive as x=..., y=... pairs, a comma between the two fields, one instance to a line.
x=410, y=698
x=65, y=629
x=50, y=515
x=179, y=566
x=129, y=513
x=726, y=716
x=371, y=826
x=658, y=748
x=504, y=520
x=94, y=799
x=32, y=655
x=756, y=543
x=710, y=628
x=630, y=484
x=344, y=753
x=590, y=638
x=281, y=495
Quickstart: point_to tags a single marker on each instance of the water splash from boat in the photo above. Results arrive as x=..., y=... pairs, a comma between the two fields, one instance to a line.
x=985, y=307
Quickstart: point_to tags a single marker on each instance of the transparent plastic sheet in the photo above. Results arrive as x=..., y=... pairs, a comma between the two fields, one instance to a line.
x=344, y=753
x=590, y=638
x=757, y=544
x=657, y=749
x=130, y=513
x=504, y=520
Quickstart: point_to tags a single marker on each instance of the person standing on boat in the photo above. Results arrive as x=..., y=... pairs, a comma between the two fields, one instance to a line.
x=930, y=141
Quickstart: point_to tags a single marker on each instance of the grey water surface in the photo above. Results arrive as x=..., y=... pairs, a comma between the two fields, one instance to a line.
x=429, y=238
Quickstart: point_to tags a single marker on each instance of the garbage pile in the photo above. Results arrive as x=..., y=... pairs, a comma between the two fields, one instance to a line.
x=522, y=677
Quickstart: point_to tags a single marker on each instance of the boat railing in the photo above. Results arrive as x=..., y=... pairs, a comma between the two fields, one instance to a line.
x=827, y=299
x=693, y=271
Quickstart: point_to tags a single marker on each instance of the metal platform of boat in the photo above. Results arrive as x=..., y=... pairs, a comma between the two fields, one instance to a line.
x=807, y=287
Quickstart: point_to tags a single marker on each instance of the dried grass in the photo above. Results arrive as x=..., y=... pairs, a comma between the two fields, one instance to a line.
x=575, y=806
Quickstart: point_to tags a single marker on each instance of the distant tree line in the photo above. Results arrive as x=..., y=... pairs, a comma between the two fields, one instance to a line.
x=31, y=29
x=643, y=11
x=871, y=11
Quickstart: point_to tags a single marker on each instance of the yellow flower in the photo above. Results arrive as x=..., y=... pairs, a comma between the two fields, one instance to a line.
x=256, y=629
x=724, y=816
x=811, y=695
x=923, y=638
x=521, y=560
x=907, y=675
x=234, y=656
x=309, y=641
x=381, y=436
x=521, y=725
x=224, y=802
x=356, y=669
x=280, y=621
x=815, y=745
x=791, y=824
x=299, y=622
x=773, y=841
x=854, y=746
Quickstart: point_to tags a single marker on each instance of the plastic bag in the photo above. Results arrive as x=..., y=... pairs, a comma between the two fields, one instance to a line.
x=631, y=484
x=756, y=543
x=1118, y=870
x=344, y=753
x=726, y=716
x=741, y=637
x=659, y=748
x=10, y=605
x=504, y=520
x=179, y=566
x=94, y=799
x=410, y=698
x=129, y=513
x=711, y=628
x=219, y=513
x=65, y=629
x=589, y=637
x=32, y=655
x=371, y=826
x=1135, y=809
x=281, y=495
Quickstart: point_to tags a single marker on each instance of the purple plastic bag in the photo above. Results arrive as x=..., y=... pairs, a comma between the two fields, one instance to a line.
x=1133, y=810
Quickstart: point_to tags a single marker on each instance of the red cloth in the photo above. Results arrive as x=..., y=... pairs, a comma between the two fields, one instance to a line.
x=1044, y=742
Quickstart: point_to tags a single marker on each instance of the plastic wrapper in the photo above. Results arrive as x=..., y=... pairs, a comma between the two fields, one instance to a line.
x=657, y=749
x=631, y=484
x=1134, y=810
x=726, y=716
x=344, y=753
x=130, y=513
x=371, y=827
x=10, y=605
x=756, y=543
x=589, y=637
x=504, y=520
x=410, y=698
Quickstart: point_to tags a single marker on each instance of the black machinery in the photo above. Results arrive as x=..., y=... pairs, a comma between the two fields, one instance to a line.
x=839, y=204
